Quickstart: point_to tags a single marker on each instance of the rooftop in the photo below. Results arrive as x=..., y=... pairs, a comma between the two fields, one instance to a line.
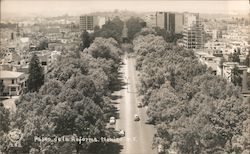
x=24, y=39
x=9, y=74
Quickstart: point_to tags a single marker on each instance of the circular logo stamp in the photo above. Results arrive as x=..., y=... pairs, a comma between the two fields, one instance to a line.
x=15, y=135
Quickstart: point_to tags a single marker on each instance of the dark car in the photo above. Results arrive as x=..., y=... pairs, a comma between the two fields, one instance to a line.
x=139, y=105
x=150, y=121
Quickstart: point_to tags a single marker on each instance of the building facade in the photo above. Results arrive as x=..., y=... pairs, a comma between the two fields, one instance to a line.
x=172, y=22
x=88, y=23
x=193, y=34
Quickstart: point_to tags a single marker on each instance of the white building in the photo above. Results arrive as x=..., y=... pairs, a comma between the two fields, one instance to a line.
x=170, y=21
x=88, y=23
x=13, y=82
x=101, y=21
x=193, y=35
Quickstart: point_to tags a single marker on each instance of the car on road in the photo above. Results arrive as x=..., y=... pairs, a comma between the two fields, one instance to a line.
x=112, y=120
x=121, y=133
x=136, y=118
x=139, y=105
x=150, y=121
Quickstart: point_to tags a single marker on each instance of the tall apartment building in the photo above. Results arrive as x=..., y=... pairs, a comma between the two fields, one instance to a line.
x=172, y=22
x=88, y=23
x=193, y=34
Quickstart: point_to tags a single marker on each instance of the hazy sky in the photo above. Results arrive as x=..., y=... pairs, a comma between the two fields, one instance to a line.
x=74, y=7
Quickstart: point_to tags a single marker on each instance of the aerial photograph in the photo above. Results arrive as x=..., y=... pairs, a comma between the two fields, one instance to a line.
x=124, y=77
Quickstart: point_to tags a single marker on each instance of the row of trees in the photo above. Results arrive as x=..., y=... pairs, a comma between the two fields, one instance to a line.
x=112, y=29
x=194, y=111
x=73, y=101
x=169, y=37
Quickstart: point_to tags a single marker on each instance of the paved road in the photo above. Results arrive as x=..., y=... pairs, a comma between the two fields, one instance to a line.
x=139, y=136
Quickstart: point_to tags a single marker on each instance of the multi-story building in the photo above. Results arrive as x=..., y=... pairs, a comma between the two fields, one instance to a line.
x=88, y=23
x=172, y=22
x=193, y=34
x=179, y=23
x=13, y=82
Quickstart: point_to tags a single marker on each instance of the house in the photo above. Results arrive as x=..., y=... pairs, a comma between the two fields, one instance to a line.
x=13, y=82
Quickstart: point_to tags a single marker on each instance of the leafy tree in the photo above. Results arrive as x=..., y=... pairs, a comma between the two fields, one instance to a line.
x=43, y=44
x=4, y=128
x=105, y=48
x=146, y=31
x=236, y=77
x=4, y=119
x=170, y=37
x=235, y=57
x=110, y=29
x=85, y=40
x=36, y=77
x=134, y=26
x=194, y=111
x=1, y=87
x=74, y=100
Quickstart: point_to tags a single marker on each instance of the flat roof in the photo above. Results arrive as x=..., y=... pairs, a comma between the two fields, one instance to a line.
x=208, y=56
x=10, y=74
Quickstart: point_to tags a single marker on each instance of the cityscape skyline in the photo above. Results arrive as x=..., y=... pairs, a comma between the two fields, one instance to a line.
x=54, y=8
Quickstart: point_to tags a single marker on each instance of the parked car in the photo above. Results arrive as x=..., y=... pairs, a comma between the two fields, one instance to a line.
x=112, y=120
x=150, y=121
x=136, y=117
x=121, y=133
x=139, y=105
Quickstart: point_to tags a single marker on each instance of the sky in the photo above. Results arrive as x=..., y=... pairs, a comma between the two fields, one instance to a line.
x=76, y=7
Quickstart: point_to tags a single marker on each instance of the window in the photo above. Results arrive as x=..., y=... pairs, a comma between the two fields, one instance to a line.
x=13, y=88
x=13, y=81
x=44, y=63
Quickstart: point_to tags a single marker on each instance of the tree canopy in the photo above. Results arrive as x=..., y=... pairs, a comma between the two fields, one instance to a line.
x=36, y=76
x=43, y=44
x=1, y=87
x=170, y=37
x=73, y=101
x=85, y=40
x=111, y=29
x=194, y=111
x=134, y=26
